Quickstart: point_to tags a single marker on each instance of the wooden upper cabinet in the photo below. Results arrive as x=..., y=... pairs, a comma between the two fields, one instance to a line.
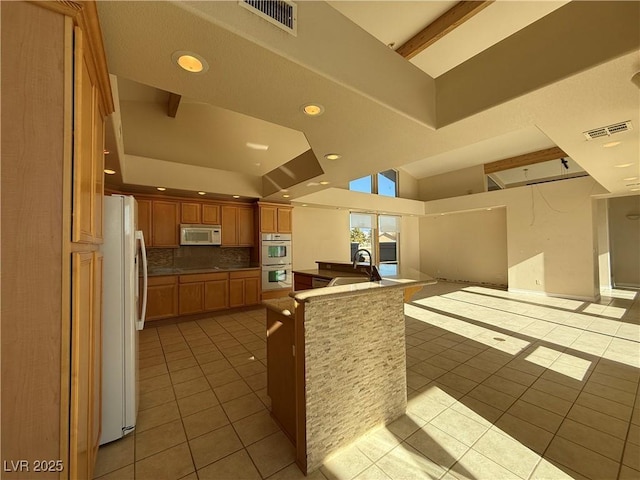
x=84, y=145
x=237, y=226
x=190, y=212
x=229, y=225
x=144, y=220
x=268, y=219
x=284, y=220
x=245, y=227
x=211, y=214
x=275, y=218
x=164, y=221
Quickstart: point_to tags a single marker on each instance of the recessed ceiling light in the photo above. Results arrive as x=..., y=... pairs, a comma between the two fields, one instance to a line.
x=191, y=62
x=202, y=193
x=313, y=109
x=611, y=144
x=623, y=165
x=257, y=146
x=634, y=189
x=312, y=184
x=628, y=179
x=305, y=205
x=488, y=209
x=284, y=190
x=236, y=196
x=286, y=195
x=108, y=171
x=332, y=156
x=324, y=182
x=162, y=189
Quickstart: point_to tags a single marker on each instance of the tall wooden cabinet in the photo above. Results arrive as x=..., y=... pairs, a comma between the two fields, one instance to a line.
x=55, y=96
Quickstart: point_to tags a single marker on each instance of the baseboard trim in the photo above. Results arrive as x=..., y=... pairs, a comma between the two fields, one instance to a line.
x=581, y=298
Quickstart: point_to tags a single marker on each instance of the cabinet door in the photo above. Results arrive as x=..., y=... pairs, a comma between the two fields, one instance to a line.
x=144, y=220
x=211, y=214
x=162, y=301
x=251, y=291
x=245, y=227
x=229, y=225
x=98, y=180
x=190, y=212
x=216, y=295
x=85, y=97
x=236, y=292
x=82, y=298
x=165, y=223
x=95, y=395
x=284, y=220
x=191, y=298
x=268, y=219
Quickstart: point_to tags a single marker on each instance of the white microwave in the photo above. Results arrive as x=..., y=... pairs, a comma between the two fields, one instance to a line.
x=200, y=234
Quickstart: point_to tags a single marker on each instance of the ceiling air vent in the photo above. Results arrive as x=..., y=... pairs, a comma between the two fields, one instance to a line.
x=281, y=13
x=607, y=131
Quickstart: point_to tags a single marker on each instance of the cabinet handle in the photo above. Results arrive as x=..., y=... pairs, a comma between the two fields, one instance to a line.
x=293, y=350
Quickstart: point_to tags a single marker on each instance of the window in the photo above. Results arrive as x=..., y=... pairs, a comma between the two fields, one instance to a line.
x=379, y=234
x=364, y=184
x=383, y=183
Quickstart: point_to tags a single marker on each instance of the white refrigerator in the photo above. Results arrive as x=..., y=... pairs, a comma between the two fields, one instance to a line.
x=122, y=316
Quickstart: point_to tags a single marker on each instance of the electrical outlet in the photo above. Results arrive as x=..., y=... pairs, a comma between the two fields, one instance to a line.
x=538, y=282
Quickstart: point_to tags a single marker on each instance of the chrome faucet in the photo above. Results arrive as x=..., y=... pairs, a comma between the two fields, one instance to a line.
x=374, y=275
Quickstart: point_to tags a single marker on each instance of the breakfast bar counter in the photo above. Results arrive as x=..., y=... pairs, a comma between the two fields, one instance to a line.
x=336, y=362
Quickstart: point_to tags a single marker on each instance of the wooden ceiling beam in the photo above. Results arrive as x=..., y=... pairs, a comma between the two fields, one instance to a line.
x=173, y=104
x=524, y=160
x=445, y=23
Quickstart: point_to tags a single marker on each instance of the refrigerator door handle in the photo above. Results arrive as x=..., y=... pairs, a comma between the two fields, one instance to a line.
x=143, y=250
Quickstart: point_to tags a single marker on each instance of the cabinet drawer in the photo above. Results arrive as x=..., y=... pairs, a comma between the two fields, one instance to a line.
x=203, y=277
x=245, y=274
x=162, y=280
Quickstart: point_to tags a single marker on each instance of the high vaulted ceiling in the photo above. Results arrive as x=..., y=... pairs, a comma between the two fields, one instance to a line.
x=514, y=78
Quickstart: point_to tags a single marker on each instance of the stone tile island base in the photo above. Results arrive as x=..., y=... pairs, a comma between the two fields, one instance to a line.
x=355, y=372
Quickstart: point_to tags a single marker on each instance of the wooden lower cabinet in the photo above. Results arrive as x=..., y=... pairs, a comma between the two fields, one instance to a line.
x=216, y=294
x=172, y=295
x=281, y=374
x=162, y=297
x=302, y=282
x=244, y=288
x=86, y=365
x=191, y=298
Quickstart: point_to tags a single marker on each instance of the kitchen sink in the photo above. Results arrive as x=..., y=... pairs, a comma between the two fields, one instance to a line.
x=346, y=281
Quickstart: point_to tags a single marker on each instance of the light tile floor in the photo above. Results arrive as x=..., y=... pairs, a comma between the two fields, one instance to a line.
x=500, y=386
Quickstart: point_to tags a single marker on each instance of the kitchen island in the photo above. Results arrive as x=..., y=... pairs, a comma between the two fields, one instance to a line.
x=336, y=362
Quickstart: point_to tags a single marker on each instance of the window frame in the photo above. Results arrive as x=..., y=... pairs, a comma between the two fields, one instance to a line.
x=374, y=183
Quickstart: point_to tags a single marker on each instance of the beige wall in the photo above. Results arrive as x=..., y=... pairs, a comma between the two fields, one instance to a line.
x=467, y=246
x=319, y=234
x=323, y=234
x=407, y=185
x=454, y=184
x=625, y=240
x=604, y=249
x=551, y=227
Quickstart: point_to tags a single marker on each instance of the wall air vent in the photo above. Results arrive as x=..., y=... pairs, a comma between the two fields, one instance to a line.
x=281, y=13
x=607, y=131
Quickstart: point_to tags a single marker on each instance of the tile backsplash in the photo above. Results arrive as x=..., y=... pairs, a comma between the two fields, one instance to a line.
x=198, y=257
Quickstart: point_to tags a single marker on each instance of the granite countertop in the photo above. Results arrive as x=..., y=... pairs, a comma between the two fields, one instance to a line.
x=155, y=272
x=327, y=274
x=406, y=278
x=284, y=306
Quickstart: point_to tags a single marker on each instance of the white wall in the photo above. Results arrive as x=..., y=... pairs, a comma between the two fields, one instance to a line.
x=466, y=181
x=604, y=249
x=625, y=240
x=551, y=246
x=407, y=185
x=467, y=246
